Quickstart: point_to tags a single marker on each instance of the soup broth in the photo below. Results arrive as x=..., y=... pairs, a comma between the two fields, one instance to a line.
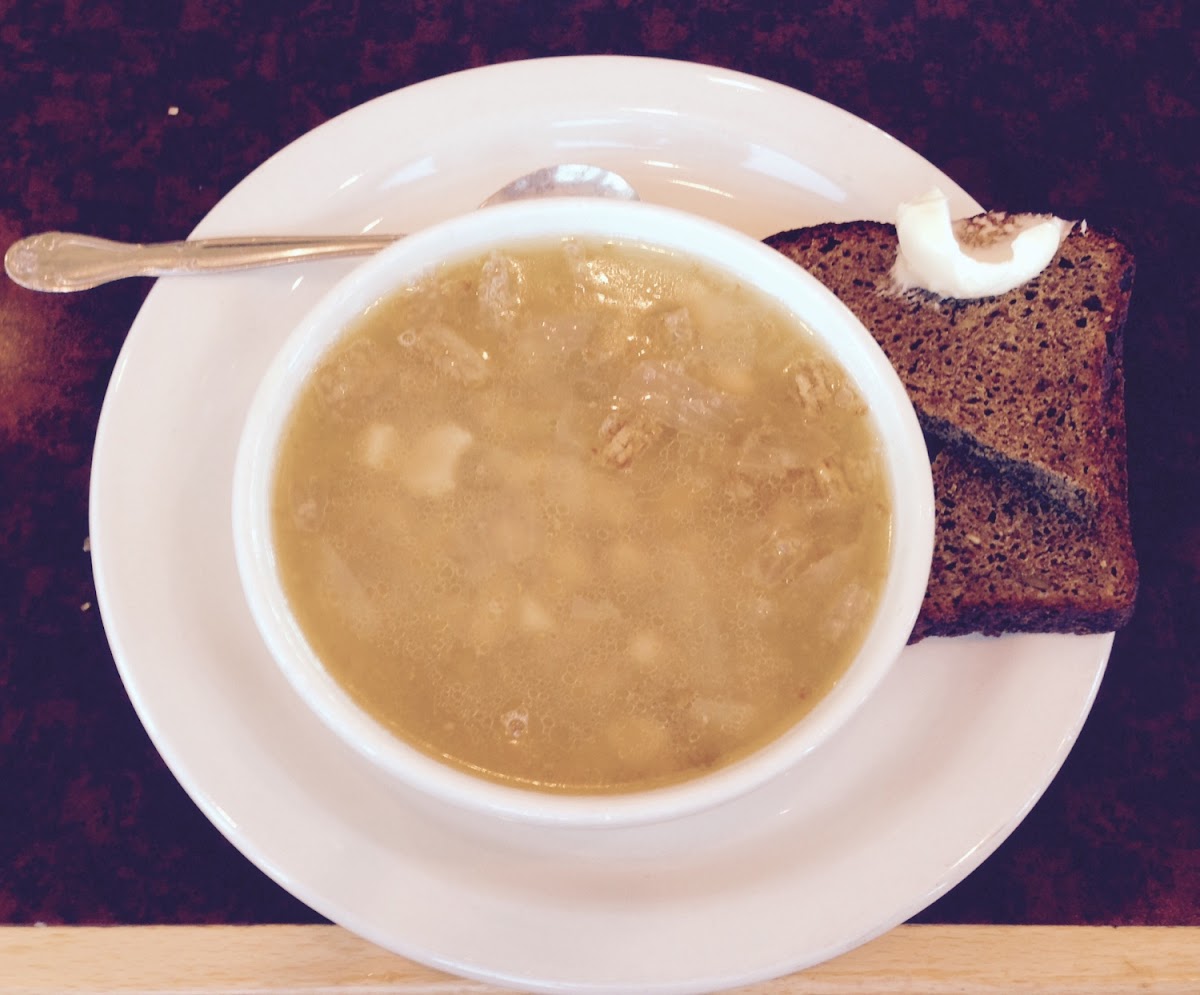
x=582, y=516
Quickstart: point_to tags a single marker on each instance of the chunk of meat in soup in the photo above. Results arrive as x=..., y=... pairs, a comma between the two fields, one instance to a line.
x=624, y=433
x=656, y=397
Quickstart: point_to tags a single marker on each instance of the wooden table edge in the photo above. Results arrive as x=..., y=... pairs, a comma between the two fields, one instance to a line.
x=931, y=960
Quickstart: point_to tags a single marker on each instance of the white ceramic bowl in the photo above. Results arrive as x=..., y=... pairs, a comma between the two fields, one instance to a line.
x=906, y=458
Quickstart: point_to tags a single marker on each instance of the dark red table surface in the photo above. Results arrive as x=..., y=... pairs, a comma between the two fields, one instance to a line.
x=1085, y=109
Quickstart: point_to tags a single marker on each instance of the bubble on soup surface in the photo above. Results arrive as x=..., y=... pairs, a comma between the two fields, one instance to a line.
x=515, y=724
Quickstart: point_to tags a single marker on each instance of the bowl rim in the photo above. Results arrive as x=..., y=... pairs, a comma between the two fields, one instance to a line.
x=906, y=457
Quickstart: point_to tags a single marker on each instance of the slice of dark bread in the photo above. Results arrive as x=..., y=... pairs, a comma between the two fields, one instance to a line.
x=1007, y=558
x=1016, y=380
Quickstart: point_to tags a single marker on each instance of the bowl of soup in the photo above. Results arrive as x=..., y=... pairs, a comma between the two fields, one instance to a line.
x=582, y=512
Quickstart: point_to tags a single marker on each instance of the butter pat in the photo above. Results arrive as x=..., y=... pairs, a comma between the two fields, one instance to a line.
x=975, y=257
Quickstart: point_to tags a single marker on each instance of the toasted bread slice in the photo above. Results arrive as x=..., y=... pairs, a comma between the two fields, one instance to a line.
x=1007, y=556
x=1018, y=380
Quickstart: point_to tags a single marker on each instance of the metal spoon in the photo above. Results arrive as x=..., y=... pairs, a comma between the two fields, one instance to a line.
x=60, y=262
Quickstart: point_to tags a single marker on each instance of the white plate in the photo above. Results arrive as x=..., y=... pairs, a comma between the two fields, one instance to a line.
x=915, y=793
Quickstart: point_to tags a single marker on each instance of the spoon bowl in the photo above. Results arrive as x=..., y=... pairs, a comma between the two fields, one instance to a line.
x=62, y=262
x=565, y=180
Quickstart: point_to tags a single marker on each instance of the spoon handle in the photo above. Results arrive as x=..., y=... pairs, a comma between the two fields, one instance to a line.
x=60, y=262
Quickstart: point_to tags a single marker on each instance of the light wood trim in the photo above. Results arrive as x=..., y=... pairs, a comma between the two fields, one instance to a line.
x=929, y=960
